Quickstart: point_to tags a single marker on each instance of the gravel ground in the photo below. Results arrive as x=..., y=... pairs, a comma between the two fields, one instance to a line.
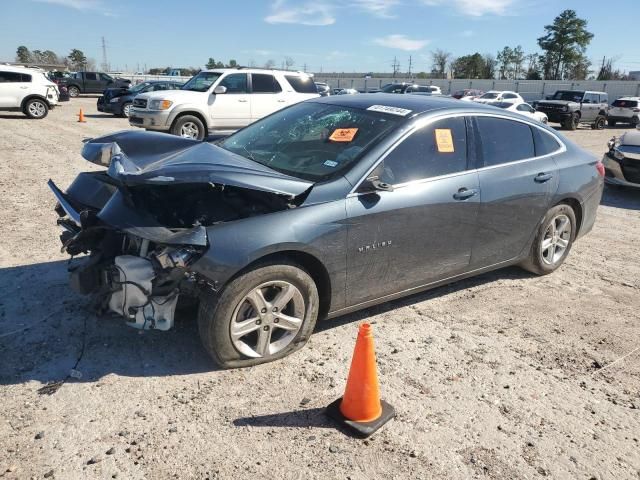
x=502, y=376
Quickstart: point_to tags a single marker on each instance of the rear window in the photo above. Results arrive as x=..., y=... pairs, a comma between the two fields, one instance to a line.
x=504, y=141
x=545, y=143
x=625, y=103
x=302, y=84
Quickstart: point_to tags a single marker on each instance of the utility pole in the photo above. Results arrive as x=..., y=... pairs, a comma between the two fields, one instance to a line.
x=105, y=64
x=396, y=66
x=304, y=68
x=409, y=66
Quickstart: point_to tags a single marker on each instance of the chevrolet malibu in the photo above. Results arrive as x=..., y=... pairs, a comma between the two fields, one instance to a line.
x=320, y=209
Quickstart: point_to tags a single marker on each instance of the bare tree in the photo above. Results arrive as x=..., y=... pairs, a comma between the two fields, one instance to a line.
x=270, y=63
x=288, y=62
x=440, y=60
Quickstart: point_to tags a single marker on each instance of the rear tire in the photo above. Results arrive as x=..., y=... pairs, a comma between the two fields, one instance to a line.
x=241, y=327
x=73, y=91
x=635, y=121
x=599, y=123
x=188, y=126
x=553, y=241
x=36, y=109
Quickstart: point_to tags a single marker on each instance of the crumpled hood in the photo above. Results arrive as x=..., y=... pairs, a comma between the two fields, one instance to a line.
x=135, y=158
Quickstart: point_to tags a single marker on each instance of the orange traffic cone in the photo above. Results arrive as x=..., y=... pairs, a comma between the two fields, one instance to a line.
x=81, y=117
x=360, y=409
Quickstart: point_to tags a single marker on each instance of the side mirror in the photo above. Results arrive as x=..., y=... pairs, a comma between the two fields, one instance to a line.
x=220, y=89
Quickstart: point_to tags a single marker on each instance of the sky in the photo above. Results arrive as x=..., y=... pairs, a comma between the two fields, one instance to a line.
x=321, y=35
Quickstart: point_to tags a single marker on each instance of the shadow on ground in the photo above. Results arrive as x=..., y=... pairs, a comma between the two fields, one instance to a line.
x=621, y=197
x=45, y=328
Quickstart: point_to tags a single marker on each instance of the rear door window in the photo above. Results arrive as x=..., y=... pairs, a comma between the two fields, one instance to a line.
x=439, y=148
x=301, y=84
x=503, y=141
x=10, y=77
x=90, y=76
x=263, y=83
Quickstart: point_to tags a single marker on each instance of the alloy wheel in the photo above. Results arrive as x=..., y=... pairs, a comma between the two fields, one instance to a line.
x=37, y=109
x=189, y=130
x=267, y=319
x=126, y=109
x=556, y=239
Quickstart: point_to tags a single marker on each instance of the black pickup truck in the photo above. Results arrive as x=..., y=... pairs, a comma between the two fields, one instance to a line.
x=91, y=82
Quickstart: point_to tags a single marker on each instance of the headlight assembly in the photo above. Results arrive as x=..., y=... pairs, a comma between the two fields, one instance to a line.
x=160, y=104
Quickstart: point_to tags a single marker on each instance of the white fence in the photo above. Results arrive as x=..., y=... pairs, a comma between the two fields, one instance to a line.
x=529, y=89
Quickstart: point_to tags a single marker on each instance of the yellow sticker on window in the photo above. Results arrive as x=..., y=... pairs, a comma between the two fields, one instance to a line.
x=444, y=140
x=343, y=134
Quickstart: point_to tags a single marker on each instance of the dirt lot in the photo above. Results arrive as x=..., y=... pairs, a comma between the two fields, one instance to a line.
x=500, y=376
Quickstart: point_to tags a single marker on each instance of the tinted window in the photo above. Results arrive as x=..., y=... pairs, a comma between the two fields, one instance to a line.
x=428, y=153
x=625, y=103
x=302, y=84
x=504, y=141
x=90, y=76
x=12, y=77
x=510, y=95
x=235, y=83
x=25, y=78
x=545, y=143
x=262, y=83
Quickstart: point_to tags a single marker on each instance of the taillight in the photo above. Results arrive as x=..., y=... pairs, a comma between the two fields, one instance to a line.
x=600, y=168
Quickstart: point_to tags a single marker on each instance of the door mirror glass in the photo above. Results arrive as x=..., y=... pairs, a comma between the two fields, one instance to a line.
x=220, y=89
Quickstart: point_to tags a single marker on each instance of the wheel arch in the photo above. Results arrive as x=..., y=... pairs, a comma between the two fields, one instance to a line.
x=32, y=96
x=194, y=113
x=308, y=262
x=576, y=206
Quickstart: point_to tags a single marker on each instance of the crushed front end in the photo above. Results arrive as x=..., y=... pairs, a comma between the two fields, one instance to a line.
x=140, y=225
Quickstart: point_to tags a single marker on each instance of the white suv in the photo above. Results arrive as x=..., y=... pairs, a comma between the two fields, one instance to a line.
x=27, y=90
x=624, y=110
x=220, y=101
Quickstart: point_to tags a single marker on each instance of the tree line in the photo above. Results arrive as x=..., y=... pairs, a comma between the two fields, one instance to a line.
x=562, y=56
x=76, y=60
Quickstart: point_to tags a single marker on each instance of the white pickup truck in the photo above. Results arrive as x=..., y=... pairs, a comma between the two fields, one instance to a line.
x=220, y=101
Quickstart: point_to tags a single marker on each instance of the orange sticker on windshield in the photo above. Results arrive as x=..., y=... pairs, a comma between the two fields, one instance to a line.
x=343, y=134
x=444, y=140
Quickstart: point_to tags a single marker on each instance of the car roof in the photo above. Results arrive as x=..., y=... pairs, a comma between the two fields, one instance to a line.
x=20, y=68
x=256, y=70
x=418, y=104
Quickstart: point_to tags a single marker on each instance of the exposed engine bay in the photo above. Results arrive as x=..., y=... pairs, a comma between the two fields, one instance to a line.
x=141, y=224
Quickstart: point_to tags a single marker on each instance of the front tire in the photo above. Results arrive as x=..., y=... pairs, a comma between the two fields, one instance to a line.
x=572, y=122
x=126, y=109
x=36, y=108
x=553, y=241
x=188, y=126
x=264, y=314
x=600, y=123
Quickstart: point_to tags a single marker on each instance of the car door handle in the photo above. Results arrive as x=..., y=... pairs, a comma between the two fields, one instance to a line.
x=243, y=100
x=24, y=88
x=465, y=193
x=543, y=177
x=281, y=101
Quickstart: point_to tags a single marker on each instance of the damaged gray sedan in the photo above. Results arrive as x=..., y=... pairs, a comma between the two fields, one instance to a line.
x=320, y=209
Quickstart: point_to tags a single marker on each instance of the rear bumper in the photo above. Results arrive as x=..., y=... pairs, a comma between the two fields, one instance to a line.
x=614, y=174
x=626, y=119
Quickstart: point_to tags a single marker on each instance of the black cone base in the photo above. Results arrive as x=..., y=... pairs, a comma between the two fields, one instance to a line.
x=360, y=429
